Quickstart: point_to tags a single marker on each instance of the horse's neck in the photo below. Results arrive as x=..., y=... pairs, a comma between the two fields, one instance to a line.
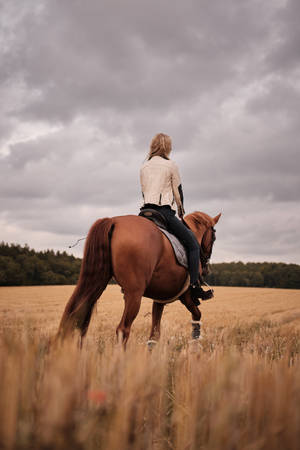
x=199, y=235
x=198, y=231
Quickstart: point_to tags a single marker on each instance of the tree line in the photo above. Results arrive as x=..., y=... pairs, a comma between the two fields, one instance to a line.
x=22, y=266
x=266, y=274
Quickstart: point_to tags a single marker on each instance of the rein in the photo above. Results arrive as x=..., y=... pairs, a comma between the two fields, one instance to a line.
x=206, y=258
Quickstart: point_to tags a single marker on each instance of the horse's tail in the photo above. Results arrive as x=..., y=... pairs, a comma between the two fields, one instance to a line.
x=95, y=273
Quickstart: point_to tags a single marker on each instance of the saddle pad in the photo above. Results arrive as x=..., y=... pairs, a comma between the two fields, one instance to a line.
x=178, y=248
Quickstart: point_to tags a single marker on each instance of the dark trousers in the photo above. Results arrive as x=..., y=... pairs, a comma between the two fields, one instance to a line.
x=185, y=236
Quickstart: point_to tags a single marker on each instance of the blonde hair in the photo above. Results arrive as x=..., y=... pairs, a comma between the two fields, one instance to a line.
x=161, y=145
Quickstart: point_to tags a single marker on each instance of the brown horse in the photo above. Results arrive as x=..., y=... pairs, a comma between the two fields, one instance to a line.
x=139, y=256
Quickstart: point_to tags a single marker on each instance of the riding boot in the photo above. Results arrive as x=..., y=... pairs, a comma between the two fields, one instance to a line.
x=206, y=295
x=197, y=292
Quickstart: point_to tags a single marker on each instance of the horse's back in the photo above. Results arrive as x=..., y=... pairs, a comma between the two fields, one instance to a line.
x=135, y=232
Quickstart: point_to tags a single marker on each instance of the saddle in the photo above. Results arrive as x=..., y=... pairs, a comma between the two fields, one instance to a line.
x=155, y=216
x=159, y=220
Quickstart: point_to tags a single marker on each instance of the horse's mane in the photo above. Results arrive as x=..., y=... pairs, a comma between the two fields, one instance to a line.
x=200, y=218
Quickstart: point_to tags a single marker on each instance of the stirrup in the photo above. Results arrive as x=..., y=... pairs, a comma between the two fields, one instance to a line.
x=198, y=292
x=207, y=294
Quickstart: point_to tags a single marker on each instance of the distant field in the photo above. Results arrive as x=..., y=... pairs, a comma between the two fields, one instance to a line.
x=237, y=389
x=44, y=305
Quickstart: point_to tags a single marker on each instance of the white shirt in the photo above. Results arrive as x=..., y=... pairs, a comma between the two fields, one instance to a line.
x=160, y=180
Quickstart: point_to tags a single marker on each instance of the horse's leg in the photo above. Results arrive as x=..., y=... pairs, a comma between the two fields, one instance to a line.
x=132, y=307
x=186, y=300
x=157, y=310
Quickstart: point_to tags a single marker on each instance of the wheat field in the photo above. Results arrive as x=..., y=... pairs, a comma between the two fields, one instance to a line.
x=238, y=388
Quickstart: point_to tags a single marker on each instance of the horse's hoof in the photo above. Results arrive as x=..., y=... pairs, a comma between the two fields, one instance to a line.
x=196, y=338
x=196, y=329
x=151, y=344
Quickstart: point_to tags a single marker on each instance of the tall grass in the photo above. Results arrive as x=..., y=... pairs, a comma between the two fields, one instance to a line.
x=238, y=389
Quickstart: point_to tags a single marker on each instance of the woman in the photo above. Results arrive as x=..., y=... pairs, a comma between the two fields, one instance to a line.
x=162, y=190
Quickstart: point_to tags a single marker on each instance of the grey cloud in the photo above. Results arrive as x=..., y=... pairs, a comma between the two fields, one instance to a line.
x=133, y=55
x=285, y=56
x=71, y=167
x=109, y=75
x=279, y=97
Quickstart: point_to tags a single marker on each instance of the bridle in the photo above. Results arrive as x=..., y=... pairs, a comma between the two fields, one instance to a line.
x=205, y=253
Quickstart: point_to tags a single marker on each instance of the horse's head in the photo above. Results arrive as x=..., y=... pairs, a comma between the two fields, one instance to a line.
x=203, y=227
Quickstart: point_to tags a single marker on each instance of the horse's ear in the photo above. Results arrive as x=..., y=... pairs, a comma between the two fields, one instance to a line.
x=216, y=219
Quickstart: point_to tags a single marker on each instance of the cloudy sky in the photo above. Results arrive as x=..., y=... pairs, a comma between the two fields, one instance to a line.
x=85, y=86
